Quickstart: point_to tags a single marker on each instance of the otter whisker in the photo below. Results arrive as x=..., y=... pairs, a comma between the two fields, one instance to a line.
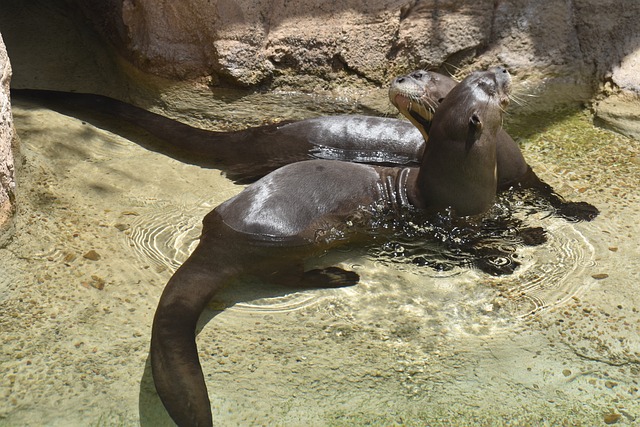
x=518, y=100
x=430, y=103
x=455, y=67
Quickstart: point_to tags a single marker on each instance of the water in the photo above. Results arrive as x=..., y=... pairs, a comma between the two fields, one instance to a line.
x=103, y=223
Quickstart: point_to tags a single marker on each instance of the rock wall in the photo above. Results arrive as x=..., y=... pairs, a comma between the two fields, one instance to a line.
x=567, y=50
x=255, y=41
x=562, y=50
x=618, y=108
x=7, y=133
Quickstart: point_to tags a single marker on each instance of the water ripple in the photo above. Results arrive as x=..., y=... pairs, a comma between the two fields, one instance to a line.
x=553, y=273
x=281, y=304
x=164, y=234
x=466, y=302
x=549, y=275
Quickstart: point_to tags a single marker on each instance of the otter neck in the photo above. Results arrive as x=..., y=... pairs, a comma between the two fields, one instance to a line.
x=419, y=122
x=457, y=176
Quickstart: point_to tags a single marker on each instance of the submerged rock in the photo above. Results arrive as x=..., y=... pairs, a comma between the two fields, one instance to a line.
x=621, y=113
x=92, y=255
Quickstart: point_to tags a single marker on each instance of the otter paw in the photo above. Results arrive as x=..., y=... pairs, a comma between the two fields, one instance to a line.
x=577, y=211
x=330, y=277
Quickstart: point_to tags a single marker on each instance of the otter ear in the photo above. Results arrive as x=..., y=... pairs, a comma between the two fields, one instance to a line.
x=475, y=122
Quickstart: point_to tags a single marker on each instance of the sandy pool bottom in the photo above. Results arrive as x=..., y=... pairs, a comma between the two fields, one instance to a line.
x=103, y=223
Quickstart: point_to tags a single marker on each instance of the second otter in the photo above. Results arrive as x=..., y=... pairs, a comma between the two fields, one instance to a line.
x=249, y=154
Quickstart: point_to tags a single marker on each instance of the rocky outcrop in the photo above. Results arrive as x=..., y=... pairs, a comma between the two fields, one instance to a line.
x=567, y=49
x=249, y=41
x=563, y=50
x=7, y=133
x=620, y=109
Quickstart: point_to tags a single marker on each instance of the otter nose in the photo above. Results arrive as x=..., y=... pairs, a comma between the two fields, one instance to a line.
x=500, y=70
x=502, y=75
x=399, y=80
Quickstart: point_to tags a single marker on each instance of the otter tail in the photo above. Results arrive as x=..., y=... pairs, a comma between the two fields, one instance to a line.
x=222, y=255
x=245, y=155
x=177, y=373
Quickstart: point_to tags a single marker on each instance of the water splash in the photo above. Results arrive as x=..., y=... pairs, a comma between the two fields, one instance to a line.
x=429, y=281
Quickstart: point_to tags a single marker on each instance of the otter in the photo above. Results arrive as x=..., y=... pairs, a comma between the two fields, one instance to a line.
x=417, y=95
x=247, y=155
x=304, y=209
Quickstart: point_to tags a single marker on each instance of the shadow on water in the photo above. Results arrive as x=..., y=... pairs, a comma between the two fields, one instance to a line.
x=115, y=125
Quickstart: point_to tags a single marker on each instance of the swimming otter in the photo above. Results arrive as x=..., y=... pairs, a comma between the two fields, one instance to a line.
x=249, y=154
x=306, y=208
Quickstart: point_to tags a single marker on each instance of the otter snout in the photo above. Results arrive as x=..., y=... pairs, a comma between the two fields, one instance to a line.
x=503, y=83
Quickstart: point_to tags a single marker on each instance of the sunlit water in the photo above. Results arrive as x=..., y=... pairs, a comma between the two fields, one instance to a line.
x=103, y=224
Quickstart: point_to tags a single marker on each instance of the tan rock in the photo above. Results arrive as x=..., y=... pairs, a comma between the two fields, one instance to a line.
x=7, y=137
x=557, y=50
x=620, y=112
x=252, y=42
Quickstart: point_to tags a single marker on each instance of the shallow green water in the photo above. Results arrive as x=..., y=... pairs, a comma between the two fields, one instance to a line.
x=557, y=343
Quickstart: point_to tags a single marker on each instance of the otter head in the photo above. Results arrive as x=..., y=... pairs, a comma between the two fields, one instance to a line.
x=417, y=95
x=475, y=107
x=459, y=167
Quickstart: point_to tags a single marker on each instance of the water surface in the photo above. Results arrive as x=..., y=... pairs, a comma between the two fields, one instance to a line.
x=103, y=223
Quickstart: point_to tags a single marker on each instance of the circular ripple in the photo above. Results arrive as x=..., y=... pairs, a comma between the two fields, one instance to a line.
x=549, y=275
x=401, y=299
x=282, y=304
x=164, y=235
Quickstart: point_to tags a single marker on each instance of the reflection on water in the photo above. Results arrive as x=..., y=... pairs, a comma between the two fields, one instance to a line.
x=103, y=223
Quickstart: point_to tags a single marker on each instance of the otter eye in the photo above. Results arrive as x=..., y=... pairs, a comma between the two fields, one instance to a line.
x=418, y=75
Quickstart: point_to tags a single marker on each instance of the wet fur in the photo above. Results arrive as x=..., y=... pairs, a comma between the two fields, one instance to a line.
x=271, y=227
x=249, y=154
x=425, y=90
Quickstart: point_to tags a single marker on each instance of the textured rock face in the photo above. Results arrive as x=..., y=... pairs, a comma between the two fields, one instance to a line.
x=7, y=176
x=563, y=50
x=252, y=41
x=621, y=109
x=567, y=49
